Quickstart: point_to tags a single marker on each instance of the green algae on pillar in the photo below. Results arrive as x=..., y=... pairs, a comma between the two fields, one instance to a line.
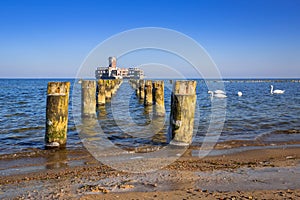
x=148, y=100
x=100, y=92
x=57, y=114
x=108, y=93
x=158, y=97
x=88, y=98
x=142, y=89
x=183, y=105
x=136, y=86
x=112, y=85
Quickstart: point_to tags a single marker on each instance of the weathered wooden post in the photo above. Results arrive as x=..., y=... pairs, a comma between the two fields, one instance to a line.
x=142, y=89
x=108, y=93
x=113, y=86
x=148, y=100
x=102, y=113
x=136, y=86
x=100, y=92
x=57, y=114
x=88, y=98
x=158, y=98
x=183, y=104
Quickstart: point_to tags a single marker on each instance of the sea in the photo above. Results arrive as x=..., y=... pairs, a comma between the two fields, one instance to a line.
x=257, y=115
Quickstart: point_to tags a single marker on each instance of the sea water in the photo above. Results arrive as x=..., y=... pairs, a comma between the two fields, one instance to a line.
x=256, y=115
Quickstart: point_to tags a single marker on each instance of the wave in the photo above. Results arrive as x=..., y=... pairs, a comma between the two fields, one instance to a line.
x=282, y=135
x=289, y=131
x=21, y=130
x=16, y=115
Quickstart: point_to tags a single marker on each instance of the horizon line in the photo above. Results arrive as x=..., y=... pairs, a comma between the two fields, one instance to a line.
x=232, y=78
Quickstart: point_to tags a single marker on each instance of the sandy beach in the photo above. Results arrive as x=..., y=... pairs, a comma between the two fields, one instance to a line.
x=233, y=172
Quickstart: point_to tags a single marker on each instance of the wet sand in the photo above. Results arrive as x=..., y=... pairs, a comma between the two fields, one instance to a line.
x=230, y=172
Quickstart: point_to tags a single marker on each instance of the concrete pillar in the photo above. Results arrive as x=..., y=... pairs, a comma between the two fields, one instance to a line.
x=158, y=97
x=183, y=104
x=88, y=98
x=57, y=114
x=142, y=89
x=148, y=100
x=100, y=92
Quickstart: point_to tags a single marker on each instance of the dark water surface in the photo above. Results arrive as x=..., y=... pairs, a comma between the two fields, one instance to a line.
x=257, y=115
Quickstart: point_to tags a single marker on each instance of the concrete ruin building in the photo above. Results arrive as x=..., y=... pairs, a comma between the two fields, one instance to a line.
x=113, y=72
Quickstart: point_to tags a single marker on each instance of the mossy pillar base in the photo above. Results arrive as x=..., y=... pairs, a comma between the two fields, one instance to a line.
x=183, y=104
x=136, y=86
x=142, y=89
x=148, y=99
x=113, y=86
x=57, y=114
x=108, y=93
x=100, y=92
x=158, y=98
x=88, y=98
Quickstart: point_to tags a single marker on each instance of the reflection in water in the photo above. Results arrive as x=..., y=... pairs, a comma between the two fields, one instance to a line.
x=257, y=115
x=104, y=148
x=160, y=129
x=89, y=127
x=148, y=114
x=101, y=112
x=158, y=110
x=126, y=123
x=57, y=159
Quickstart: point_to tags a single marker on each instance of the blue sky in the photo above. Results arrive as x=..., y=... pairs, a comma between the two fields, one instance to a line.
x=245, y=38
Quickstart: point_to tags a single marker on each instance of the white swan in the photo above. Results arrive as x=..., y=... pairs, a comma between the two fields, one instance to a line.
x=218, y=95
x=239, y=93
x=276, y=91
x=219, y=92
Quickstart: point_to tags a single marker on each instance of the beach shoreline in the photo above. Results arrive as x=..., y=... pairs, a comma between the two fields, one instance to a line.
x=265, y=172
